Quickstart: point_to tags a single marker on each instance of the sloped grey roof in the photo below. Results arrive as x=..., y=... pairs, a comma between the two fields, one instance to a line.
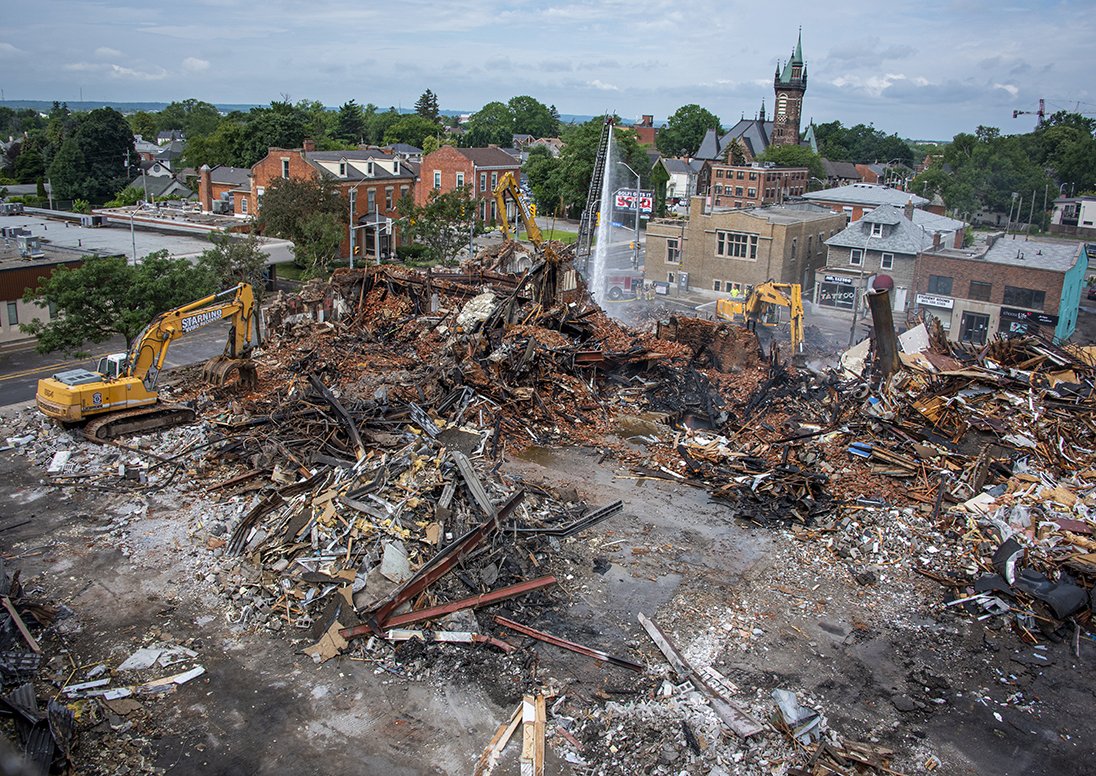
x=233, y=176
x=403, y=148
x=677, y=166
x=754, y=132
x=488, y=157
x=885, y=214
x=937, y=223
x=841, y=170
x=158, y=185
x=866, y=194
x=709, y=146
x=904, y=236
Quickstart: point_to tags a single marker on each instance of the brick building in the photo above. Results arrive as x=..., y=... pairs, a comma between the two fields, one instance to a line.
x=1002, y=285
x=646, y=131
x=225, y=190
x=756, y=185
x=372, y=181
x=727, y=250
x=24, y=261
x=883, y=246
x=451, y=168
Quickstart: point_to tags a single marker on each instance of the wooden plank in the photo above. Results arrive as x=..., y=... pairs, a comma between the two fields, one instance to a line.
x=22, y=626
x=538, y=744
x=528, y=735
x=491, y=754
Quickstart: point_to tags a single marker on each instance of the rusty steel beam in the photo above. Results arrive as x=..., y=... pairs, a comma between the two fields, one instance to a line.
x=556, y=641
x=440, y=565
x=474, y=602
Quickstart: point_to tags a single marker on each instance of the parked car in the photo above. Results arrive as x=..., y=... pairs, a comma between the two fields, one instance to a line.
x=1091, y=294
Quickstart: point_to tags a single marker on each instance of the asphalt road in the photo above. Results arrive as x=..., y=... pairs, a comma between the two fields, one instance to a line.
x=20, y=371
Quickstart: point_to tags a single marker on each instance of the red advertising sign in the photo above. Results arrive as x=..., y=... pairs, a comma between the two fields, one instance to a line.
x=625, y=199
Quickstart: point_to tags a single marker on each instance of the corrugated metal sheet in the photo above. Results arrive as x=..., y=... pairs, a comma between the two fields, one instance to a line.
x=15, y=281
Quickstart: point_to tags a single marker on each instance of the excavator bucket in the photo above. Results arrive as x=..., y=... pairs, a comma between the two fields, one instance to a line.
x=223, y=371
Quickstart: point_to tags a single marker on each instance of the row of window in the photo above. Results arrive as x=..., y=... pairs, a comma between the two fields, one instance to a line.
x=458, y=181
x=13, y=313
x=737, y=191
x=730, y=287
x=856, y=258
x=736, y=245
x=979, y=290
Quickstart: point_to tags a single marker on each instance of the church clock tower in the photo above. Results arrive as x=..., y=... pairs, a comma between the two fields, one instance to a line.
x=789, y=83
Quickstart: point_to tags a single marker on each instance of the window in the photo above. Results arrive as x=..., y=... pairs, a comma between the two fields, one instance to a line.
x=980, y=290
x=848, y=217
x=718, y=188
x=460, y=180
x=285, y=168
x=342, y=169
x=856, y=257
x=753, y=176
x=372, y=194
x=13, y=314
x=719, y=173
x=669, y=277
x=403, y=191
x=494, y=180
x=886, y=261
x=810, y=244
x=673, y=251
x=973, y=328
x=940, y=284
x=752, y=193
x=52, y=310
x=876, y=230
x=437, y=179
x=1024, y=297
x=715, y=285
x=259, y=198
x=483, y=182
x=243, y=206
x=388, y=198
x=795, y=243
x=740, y=175
x=738, y=191
x=736, y=245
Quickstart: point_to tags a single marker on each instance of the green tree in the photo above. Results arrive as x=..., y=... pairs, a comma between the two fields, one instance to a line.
x=377, y=123
x=194, y=117
x=532, y=117
x=412, y=129
x=576, y=160
x=234, y=259
x=685, y=129
x=493, y=124
x=30, y=165
x=350, y=122
x=311, y=214
x=81, y=206
x=442, y=224
x=794, y=156
x=105, y=297
x=862, y=143
x=427, y=106
x=659, y=179
x=91, y=163
x=543, y=172
x=127, y=197
x=144, y=124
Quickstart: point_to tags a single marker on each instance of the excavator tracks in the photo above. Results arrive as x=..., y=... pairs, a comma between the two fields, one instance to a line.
x=119, y=424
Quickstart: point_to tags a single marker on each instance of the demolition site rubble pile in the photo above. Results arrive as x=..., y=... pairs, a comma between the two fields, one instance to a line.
x=360, y=505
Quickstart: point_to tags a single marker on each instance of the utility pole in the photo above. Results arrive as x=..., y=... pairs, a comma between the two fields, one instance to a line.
x=1031, y=211
x=353, y=191
x=133, y=238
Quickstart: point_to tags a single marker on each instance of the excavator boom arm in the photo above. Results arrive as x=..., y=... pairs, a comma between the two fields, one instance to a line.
x=149, y=350
x=509, y=183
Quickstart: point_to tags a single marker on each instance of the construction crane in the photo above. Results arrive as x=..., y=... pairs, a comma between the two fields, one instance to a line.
x=761, y=306
x=120, y=396
x=508, y=184
x=1040, y=114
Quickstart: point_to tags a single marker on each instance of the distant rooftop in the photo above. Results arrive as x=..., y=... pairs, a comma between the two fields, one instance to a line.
x=782, y=214
x=866, y=194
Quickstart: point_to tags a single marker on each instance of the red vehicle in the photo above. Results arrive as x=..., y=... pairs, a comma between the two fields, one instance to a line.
x=626, y=285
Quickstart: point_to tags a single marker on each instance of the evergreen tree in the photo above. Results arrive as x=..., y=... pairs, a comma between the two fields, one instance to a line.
x=427, y=105
x=350, y=123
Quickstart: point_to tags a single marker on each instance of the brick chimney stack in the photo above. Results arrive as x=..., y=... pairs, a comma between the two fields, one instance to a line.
x=309, y=145
x=205, y=189
x=909, y=208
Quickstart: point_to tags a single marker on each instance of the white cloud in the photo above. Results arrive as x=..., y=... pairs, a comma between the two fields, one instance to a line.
x=1012, y=90
x=8, y=50
x=105, y=52
x=195, y=65
x=602, y=86
x=118, y=71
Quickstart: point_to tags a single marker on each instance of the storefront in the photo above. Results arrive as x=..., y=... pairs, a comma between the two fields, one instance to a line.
x=939, y=307
x=1018, y=322
x=837, y=291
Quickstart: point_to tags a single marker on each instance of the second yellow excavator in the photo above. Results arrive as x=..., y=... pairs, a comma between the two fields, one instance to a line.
x=120, y=396
x=509, y=184
x=762, y=303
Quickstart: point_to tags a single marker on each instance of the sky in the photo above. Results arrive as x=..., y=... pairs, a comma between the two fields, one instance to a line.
x=924, y=70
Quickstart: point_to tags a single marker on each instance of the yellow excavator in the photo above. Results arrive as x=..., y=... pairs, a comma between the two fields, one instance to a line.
x=509, y=184
x=120, y=396
x=762, y=305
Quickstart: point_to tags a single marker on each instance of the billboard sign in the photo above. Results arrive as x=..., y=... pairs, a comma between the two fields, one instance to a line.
x=625, y=199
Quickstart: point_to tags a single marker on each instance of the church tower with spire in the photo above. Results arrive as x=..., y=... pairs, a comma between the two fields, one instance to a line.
x=790, y=83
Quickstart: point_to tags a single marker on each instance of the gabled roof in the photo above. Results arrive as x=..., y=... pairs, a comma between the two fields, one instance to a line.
x=866, y=194
x=160, y=185
x=677, y=166
x=403, y=148
x=238, y=177
x=487, y=157
x=901, y=236
x=754, y=132
x=846, y=170
x=709, y=146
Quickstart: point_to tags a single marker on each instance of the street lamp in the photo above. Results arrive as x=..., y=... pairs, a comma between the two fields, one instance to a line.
x=820, y=181
x=635, y=245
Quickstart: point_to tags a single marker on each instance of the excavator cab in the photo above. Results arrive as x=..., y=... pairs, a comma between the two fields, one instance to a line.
x=111, y=367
